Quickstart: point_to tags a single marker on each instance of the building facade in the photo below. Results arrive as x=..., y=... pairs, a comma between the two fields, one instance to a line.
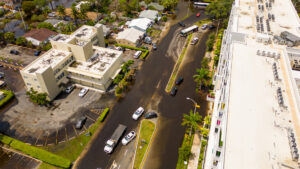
x=73, y=58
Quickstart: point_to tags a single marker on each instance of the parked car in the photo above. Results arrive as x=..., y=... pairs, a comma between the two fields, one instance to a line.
x=181, y=24
x=130, y=136
x=194, y=41
x=150, y=115
x=2, y=83
x=80, y=122
x=198, y=14
x=148, y=40
x=83, y=92
x=1, y=75
x=69, y=89
x=15, y=52
x=179, y=81
x=37, y=53
x=137, y=54
x=210, y=27
x=173, y=91
x=137, y=114
x=119, y=48
x=52, y=14
x=154, y=46
x=204, y=26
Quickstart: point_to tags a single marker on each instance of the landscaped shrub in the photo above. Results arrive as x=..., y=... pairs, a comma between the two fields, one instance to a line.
x=5, y=139
x=8, y=96
x=103, y=114
x=40, y=154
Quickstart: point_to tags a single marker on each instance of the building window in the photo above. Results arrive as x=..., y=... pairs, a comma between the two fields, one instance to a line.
x=60, y=76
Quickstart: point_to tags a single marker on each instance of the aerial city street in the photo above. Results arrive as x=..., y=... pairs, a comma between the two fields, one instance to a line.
x=154, y=84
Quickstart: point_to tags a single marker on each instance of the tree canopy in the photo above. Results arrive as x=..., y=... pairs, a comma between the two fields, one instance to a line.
x=219, y=9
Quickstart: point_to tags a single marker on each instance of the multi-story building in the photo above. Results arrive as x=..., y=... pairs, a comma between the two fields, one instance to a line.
x=74, y=58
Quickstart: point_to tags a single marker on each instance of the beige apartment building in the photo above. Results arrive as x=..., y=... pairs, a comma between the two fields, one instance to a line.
x=74, y=58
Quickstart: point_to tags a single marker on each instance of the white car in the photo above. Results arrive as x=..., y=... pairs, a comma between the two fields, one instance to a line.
x=130, y=136
x=194, y=41
x=138, y=113
x=69, y=89
x=83, y=92
x=137, y=54
x=204, y=26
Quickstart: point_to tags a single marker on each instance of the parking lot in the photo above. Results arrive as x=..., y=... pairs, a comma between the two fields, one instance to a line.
x=25, y=56
x=40, y=125
x=11, y=160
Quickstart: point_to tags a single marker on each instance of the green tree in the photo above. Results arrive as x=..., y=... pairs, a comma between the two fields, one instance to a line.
x=28, y=7
x=204, y=132
x=46, y=25
x=148, y=1
x=219, y=9
x=207, y=121
x=169, y=4
x=202, y=77
x=75, y=14
x=204, y=63
x=40, y=3
x=61, y=10
x=9, y=37
x=185, y=152
x=21, y=41
x=38, y=98
x=192, y=120
x=2, y=3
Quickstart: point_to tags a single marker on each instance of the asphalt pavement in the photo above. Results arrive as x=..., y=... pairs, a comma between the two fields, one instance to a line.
x=148, y=91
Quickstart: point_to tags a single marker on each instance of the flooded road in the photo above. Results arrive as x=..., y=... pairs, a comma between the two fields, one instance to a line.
x=148, y=91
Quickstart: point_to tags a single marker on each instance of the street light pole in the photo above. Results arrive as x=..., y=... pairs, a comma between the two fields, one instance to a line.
x=195, y=103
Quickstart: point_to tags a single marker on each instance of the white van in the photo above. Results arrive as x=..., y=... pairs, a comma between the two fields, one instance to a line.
x=137, y=54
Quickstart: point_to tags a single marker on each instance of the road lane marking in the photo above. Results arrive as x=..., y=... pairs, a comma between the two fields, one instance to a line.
x=90, y=118
x=125, y=152
x=75, y=130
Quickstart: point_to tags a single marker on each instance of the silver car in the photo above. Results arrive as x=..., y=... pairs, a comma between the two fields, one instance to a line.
x=130, y=136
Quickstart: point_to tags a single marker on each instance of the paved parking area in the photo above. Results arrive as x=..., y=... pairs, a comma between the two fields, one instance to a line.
x=11, y=160
x=39, y=125
x=25, y=56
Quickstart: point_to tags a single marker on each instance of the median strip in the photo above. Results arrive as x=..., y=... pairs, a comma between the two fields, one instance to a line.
x=144, y=142
x=177, y=66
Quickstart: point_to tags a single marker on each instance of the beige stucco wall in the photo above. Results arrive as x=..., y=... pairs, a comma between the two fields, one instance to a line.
x=82, y=53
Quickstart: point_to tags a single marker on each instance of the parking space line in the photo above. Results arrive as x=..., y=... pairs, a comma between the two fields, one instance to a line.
x=56, y=136
x=38, y=138
x=84, y=127
x=90, y=118
x=95, y=111
x=66, y=134
x=46, y=139
x=75, y=130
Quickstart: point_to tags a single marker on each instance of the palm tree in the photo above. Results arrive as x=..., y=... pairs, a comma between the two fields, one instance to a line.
x=202, y=77
x=204, y=132
x=207, y=121
x=192, y=120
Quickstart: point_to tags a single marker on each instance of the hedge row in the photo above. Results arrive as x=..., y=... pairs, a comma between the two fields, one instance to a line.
x=35, y=152
x=145, y=51
x=8, y=96
x=103, y=114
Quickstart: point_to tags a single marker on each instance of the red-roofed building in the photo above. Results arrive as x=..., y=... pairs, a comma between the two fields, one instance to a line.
x=38, y=36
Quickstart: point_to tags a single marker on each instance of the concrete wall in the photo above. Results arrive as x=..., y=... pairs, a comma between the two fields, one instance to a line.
x=125, y=42
x=33, y=41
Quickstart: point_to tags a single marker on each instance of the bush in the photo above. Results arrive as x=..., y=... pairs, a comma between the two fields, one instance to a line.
x=8, y=96
x=40, y=154
x=103, y=114
x=38, y=98
x=5, y=139
x=121, y=23
x=145, y=51
x=164, y=18
x=46, y=25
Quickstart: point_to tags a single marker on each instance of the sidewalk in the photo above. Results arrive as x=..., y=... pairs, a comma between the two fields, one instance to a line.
x=194, y=158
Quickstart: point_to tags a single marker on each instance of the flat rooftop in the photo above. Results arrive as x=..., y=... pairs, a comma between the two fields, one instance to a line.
x=253, y=141
x=256, y=126
x=48, y=59
x=85, y=32
x=285, y=17
x=62, y=38
x=98, y=64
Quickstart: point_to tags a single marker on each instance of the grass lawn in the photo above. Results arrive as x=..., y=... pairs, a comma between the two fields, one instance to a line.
x=202, y=149
x=155, y=33
x=177, y=66
x=203, y=21
x=187, y=142
x=146, y=132
x=71, y=149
